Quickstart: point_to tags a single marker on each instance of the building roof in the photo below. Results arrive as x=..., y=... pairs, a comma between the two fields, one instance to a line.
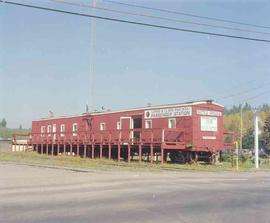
x=138, y=109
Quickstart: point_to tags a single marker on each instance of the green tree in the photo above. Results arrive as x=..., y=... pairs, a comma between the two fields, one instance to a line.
x=248, y=139
x=3, y=123
x=266, y=134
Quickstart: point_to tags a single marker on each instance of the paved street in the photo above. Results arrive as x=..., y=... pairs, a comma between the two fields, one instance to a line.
x=36, y=194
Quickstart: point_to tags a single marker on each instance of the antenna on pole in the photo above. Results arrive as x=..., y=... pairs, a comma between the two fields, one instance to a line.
x=92, y=61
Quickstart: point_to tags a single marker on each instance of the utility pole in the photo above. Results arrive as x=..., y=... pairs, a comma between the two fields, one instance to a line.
x=256, y=139
x=92, y=60
x=241, y=127
x=237, y=155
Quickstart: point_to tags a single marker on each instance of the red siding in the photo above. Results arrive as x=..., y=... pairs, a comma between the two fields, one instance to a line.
x=190, y=126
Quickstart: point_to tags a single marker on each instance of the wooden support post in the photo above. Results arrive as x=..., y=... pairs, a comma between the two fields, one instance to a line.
x=78, y=150
x=161, y=154
x=93, y=151
x=64, y=148
x=140, y=152
x=41, y=149
x=84, y=150
x=100, y=150
x=118, y=152
x=151, y=147
x=70, y=150
x=58, y=148
x=53, y=145
x=151, y=153
x=128, y=152
x=47, y=148
x=110, y=147
x=109, y=150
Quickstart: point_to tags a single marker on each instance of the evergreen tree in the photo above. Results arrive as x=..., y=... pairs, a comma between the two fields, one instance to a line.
x=3, y=123
x=266, y=134
x=248, y=140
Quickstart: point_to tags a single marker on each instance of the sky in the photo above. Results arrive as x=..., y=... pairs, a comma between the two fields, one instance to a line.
x=47, y=62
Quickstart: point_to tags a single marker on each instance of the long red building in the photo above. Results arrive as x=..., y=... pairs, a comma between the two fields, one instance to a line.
x=183, y=132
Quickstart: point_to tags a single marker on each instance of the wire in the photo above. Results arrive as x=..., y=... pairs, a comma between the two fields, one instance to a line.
x=187, y=14
x=156, y=17
x=258, y=95
x=243, y=92
x=136, y=23
x=245, y=100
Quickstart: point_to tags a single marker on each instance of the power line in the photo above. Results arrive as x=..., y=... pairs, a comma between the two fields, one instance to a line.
x=156, y=17
x=136, y=23
x=187, y=14
x=258, y=95
x=243, y=92
x=250, y=98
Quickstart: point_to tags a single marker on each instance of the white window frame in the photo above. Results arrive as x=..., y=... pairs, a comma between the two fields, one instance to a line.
x=102, y=126
x=148, y=124
x=49, y=129
x=42, y=130
x=54, y=128
x=118, y=125
x=169, y=123
x=62, y=129
x=75, y=129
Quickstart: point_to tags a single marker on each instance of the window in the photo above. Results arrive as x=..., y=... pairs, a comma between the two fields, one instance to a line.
x=102, y=126
x=62, y=129
x=118, y=126
x=75, y=129
x=54, y=128
x=148, y=124
x=171, y=123
x=137, y=123
x=49, y=130
x=42, y=130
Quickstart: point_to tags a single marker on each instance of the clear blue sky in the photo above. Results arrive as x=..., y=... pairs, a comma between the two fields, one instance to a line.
x=45, y=59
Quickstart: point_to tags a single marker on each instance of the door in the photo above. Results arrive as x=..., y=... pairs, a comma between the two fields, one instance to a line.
x=125, y=126
x=137, y=127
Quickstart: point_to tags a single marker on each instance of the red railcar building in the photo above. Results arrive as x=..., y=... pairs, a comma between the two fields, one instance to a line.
x=185, y=132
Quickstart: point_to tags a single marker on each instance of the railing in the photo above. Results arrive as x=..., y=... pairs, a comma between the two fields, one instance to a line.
x=112, y=136
x=21, y=138
x=229, y=140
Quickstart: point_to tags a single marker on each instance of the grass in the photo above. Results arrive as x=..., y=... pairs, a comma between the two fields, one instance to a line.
x=97, y=164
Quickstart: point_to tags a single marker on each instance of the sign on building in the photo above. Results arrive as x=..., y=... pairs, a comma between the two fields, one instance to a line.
x=209, y=124
x=168, y=112
x=209, y=113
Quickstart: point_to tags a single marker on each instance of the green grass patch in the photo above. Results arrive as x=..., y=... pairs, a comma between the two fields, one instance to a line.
x=104, y=164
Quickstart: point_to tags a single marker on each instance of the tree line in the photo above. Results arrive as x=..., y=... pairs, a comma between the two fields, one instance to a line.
x=232, y=121
x=6, y=133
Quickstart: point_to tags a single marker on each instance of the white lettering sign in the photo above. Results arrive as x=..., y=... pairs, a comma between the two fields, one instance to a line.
x=209, y=113
x=209, y=137
x=209, y=124
x=168, y=112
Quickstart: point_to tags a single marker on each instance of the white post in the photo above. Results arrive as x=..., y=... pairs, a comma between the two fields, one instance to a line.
x=237, y=158
x=163, y=135
x=256, y=140
x=241, y=128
